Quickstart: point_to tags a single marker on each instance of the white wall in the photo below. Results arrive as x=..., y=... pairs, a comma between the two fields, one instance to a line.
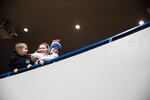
x=116, y=71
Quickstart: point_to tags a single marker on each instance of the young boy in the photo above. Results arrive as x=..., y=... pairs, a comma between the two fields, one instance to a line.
x=20, y=59
x=54, y=48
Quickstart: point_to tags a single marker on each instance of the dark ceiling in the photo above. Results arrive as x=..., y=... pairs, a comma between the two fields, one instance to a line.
x=51, y=19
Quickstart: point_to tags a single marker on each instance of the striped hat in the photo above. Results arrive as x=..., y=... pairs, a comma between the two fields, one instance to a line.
x=56, y=43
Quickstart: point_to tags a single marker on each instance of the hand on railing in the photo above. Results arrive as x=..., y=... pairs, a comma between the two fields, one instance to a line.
x=29, y=66
x=15, y=70
x=40, y=61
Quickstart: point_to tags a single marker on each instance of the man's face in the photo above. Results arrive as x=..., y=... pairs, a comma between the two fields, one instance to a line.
x=23, y=51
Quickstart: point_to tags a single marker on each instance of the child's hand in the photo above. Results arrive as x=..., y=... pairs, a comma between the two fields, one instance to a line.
x=29, y=66
x=15, y=70
x=41, y=62
x=34, y=57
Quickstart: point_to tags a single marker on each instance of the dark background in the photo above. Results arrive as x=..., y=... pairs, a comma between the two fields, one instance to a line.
x=52, y=19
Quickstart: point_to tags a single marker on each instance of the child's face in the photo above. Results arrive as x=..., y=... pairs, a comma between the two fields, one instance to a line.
x=23, y=51
x=54, y=50
x=43, y=49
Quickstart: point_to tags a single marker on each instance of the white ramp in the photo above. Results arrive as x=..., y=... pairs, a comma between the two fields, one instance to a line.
x=119, y=70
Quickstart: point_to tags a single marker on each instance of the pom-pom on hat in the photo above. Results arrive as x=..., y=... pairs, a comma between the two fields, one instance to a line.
x=56, y=43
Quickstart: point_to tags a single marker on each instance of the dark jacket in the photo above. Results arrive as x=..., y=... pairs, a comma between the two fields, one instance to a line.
x=18, y=61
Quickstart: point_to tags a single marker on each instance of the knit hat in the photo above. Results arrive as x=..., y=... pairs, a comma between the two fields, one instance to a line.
x=56, y=43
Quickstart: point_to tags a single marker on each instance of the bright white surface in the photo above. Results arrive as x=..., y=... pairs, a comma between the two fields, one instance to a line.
x=116, y=71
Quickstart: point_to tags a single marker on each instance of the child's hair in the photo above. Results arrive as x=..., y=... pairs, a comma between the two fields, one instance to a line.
x=47, y=46
x=20, y=46
x=56, y=43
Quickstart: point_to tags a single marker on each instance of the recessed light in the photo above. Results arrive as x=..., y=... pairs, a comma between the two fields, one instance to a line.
x=77, y=26
x=25, y=29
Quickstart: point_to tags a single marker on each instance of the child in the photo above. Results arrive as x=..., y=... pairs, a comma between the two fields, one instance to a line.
x=20, y=59
x=55, y=47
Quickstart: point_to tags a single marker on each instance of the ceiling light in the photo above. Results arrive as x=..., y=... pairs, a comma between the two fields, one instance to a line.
x=77, y=26
x=25, y=29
